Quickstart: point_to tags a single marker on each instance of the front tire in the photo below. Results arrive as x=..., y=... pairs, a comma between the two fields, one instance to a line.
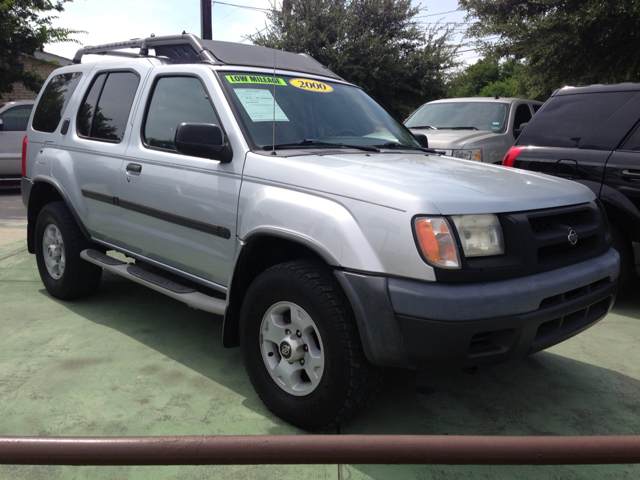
x=301, y=347
x=59, y=242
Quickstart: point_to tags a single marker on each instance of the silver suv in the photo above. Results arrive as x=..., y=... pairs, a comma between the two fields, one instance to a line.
x=14, y=116
x=474, y=128
x=258, y=185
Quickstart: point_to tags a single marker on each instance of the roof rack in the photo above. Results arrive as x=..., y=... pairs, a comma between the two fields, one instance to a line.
x=187, y=48
x=186, y=39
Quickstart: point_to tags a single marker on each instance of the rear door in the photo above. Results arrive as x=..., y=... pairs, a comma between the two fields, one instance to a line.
x=92, y=147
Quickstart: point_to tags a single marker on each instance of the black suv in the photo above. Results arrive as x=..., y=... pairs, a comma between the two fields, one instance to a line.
x=592, y=135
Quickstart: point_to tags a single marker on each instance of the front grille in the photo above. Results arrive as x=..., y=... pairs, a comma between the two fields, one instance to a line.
x=549, y=222
x=575, y=293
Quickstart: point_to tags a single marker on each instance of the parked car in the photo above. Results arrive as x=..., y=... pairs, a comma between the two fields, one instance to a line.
x=591, y=135
x=474, y=128
x=14, y=117
x=258, y=185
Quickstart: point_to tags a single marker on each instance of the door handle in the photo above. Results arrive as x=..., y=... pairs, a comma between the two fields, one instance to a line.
x=631, y=174
x=134, y=168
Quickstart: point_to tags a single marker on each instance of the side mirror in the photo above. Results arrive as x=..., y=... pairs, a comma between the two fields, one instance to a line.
x=1, y=125
x=422, y=139
x=204, y=140
x=518, y=131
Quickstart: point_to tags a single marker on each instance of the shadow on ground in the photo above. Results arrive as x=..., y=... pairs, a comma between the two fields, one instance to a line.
x=545, y=394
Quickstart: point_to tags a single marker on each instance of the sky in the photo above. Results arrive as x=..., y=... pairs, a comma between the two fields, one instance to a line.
x=108, y=21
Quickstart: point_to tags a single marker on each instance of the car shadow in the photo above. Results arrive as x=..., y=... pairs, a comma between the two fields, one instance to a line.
x=545, y=394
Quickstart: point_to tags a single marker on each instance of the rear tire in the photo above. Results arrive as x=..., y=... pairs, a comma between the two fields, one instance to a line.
x=59, y=242
x=301, y=347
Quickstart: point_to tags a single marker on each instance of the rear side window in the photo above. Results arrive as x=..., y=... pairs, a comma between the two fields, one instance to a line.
x=106, y=107
x=570, y=121
x=15, y=119
x=176, y=100
x=53, y=101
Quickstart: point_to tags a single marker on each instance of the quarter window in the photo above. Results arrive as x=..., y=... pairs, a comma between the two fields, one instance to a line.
x=53, y=101
x=175, y=100
x=15, y=119
x=106, y=107
x=633, y=142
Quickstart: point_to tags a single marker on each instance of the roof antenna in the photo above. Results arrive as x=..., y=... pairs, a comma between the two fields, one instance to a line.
x=273, y=140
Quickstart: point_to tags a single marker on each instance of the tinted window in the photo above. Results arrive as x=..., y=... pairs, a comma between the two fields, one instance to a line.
x=105, y=110
x=569, y=121
x=15, y=119
x=176, y=100
x=633, y=142
x=523, y=115
x=53, y=101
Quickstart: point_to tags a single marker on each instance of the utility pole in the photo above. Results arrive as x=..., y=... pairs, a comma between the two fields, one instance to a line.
x=205, y=20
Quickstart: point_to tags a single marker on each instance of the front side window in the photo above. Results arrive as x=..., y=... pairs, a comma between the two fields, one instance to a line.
x=106, y=107
x=15, y=119
x=487, y=116
x=175, y=100
x=53, y=101
x=292, y=110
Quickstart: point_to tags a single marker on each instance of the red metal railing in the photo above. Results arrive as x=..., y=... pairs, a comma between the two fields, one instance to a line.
x=320, y=449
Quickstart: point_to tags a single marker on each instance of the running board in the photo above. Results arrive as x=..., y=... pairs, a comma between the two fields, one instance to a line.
x=185, y=294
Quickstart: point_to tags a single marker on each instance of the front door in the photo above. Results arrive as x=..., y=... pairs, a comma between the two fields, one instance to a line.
x=179, y=210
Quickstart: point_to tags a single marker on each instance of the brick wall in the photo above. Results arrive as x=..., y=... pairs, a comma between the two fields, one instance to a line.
x=30, y=63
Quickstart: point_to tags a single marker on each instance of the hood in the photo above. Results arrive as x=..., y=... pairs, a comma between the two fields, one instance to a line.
x=451, y=139
x=417, y=183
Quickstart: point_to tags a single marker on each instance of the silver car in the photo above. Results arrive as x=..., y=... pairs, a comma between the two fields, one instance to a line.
x=14, y=117
x=474, y=128
x=289, y=202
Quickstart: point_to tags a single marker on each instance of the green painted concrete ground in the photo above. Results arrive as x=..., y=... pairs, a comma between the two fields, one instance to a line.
x=129, y=361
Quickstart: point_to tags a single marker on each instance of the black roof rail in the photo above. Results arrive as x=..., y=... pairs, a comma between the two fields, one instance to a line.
x=187, y=48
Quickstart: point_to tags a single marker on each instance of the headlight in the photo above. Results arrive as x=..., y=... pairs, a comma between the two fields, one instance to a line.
x=436, y=241
x=480, y=235
x=475, y=155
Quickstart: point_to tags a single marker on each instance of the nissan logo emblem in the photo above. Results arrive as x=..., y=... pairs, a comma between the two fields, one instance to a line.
x=572, y=237
x=285, y=349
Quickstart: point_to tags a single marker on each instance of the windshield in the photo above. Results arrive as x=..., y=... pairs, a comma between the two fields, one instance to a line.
x=309, y=113
x=491, y=117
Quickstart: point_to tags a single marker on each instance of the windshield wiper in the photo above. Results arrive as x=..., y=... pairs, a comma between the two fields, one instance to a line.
x=459, y=128
x=419, y=127
x=312, y=142
x=406, y=147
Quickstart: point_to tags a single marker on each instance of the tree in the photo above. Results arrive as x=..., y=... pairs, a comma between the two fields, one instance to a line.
x=561, y=42
x=23, y=30
x=488, y=77
x=375, y=44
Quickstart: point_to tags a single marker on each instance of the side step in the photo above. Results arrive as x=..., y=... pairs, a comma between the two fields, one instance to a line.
x=188, y=295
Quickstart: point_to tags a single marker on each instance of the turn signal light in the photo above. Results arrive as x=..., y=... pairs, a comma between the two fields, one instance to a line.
x=436, y=242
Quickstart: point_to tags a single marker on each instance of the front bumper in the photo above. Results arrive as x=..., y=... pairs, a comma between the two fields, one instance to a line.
x=412, y=324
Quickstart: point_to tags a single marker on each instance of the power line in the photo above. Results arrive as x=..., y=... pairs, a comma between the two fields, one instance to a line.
x=241, y=6
x=435, y=14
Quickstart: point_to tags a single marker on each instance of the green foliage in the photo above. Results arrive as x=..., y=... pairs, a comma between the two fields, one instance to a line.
x=561, y=42
x=488, y=77
x=25, y=27
x=375, y=44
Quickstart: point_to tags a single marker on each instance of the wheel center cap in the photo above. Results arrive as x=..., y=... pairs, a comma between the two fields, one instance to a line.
x=53, y=251
x=292, y=348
